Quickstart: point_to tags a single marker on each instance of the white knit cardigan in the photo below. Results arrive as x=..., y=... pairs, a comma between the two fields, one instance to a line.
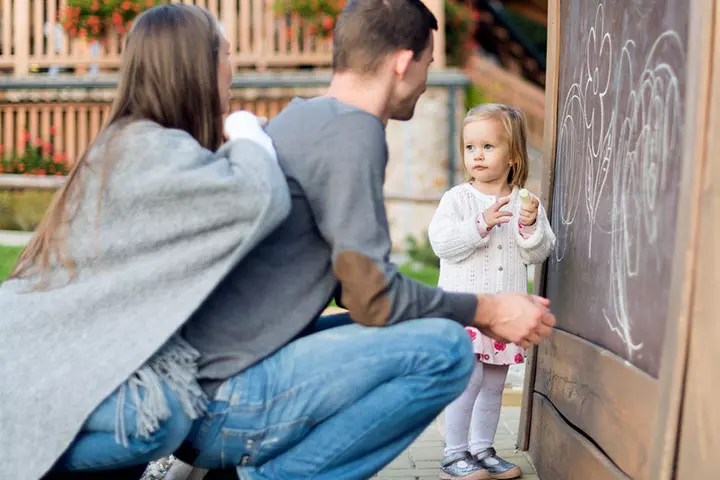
x=496, y=262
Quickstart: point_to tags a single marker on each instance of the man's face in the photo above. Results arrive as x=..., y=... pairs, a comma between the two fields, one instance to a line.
x=413, y=84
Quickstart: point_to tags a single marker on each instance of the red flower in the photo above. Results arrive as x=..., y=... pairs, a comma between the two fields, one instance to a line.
x=149, y=3
x=472, y=334
x=519, y=358
x=327, y=22
x=26, y=136
x=39, y=142
x=95, y=6
x=499, y=346
x=117, y=18
x=53, y=130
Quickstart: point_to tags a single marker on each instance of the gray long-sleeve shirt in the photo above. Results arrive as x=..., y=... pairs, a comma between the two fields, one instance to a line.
x=334, y=158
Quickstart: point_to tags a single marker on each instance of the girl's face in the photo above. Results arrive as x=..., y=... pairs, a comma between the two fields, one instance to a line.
x=225, y=71
x=486, y=151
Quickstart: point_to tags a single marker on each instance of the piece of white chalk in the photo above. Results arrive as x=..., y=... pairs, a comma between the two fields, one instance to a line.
x=524, y=196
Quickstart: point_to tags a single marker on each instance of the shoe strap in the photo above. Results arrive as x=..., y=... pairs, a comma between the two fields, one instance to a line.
x=487, y=453
x=466, y=456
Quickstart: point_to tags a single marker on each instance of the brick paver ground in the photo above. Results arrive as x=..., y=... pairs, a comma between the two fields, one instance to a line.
x=421, y=460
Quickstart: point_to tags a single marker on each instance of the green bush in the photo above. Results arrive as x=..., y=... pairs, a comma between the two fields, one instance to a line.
x=23, y=210
x=421, y=253
x=474, y=97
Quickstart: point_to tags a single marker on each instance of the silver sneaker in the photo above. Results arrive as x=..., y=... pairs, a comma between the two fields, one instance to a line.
x=499, y=468
x=462, y=466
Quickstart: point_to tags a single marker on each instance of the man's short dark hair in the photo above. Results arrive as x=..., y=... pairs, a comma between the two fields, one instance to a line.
x=368, y=30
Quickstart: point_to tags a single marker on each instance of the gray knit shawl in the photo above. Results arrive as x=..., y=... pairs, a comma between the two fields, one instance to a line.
x=173, y=219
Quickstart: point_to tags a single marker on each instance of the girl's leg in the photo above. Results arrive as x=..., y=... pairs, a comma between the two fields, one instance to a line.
x=486, y=411
x=339, y=404
x=98, y=448
x=459, y=412
x=485, y=418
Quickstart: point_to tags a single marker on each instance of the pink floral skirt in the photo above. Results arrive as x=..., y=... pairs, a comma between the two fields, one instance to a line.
x=491, y=351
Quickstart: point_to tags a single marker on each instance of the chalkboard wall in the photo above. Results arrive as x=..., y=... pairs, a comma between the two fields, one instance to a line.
x=620, y=129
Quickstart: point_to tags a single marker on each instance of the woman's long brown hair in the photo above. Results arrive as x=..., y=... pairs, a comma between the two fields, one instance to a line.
x=169, y=75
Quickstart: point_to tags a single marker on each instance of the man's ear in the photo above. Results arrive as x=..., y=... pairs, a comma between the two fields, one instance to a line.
x=402, y=61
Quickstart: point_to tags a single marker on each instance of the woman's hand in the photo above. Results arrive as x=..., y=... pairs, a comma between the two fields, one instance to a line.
x=243, y=124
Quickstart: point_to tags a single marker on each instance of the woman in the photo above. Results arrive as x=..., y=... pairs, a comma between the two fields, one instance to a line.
x=95, y=375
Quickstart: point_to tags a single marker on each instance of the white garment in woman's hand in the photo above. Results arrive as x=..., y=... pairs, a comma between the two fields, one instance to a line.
x=243, y=124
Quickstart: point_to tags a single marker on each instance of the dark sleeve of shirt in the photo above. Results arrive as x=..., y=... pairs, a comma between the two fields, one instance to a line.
x=345, y=192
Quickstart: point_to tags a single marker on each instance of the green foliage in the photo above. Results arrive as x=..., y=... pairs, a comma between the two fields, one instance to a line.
x=474, y=97
x=422, y=253
x=8, y=257
x=23, y=210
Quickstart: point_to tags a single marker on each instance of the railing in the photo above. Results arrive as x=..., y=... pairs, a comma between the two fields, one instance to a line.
x=31, y=37
x=69, y=127
x=64, y=114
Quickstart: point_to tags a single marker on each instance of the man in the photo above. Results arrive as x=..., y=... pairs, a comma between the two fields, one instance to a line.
x=341, y=403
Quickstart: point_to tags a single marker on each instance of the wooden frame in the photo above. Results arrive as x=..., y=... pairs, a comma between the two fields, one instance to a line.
x=652, y=449
x=546, y=189
x=676, y=344
x=699, y=436
x=589, y=462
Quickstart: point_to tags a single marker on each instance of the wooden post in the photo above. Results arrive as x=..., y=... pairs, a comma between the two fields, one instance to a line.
x=699, y=438
x=437, y=7
x=21, y=37
x=546, y=195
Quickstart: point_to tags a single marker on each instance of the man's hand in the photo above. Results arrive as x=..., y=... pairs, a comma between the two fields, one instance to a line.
x=516, y=318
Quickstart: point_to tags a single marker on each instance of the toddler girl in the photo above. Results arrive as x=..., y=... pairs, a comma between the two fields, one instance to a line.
x=486, y=231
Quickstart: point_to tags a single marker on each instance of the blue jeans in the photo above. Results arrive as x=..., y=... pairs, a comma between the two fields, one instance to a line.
x=96, y=448
x=338, y=404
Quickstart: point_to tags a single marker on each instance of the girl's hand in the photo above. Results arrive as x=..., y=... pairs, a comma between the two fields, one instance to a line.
x=529, y=211
x=495, y=216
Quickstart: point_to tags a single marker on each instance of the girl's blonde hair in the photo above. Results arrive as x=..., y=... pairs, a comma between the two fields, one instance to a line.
x=168, y=75
x=514, y=122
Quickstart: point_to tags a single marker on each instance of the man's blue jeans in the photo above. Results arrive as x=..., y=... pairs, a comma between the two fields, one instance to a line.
x=96, y=447
x=337, y=404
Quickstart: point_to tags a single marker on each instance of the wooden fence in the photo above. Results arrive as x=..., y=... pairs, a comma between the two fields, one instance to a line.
x=31, y=37
x=68, y=127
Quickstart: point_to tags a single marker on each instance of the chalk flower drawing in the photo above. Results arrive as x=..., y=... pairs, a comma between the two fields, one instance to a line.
x=620, y=132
